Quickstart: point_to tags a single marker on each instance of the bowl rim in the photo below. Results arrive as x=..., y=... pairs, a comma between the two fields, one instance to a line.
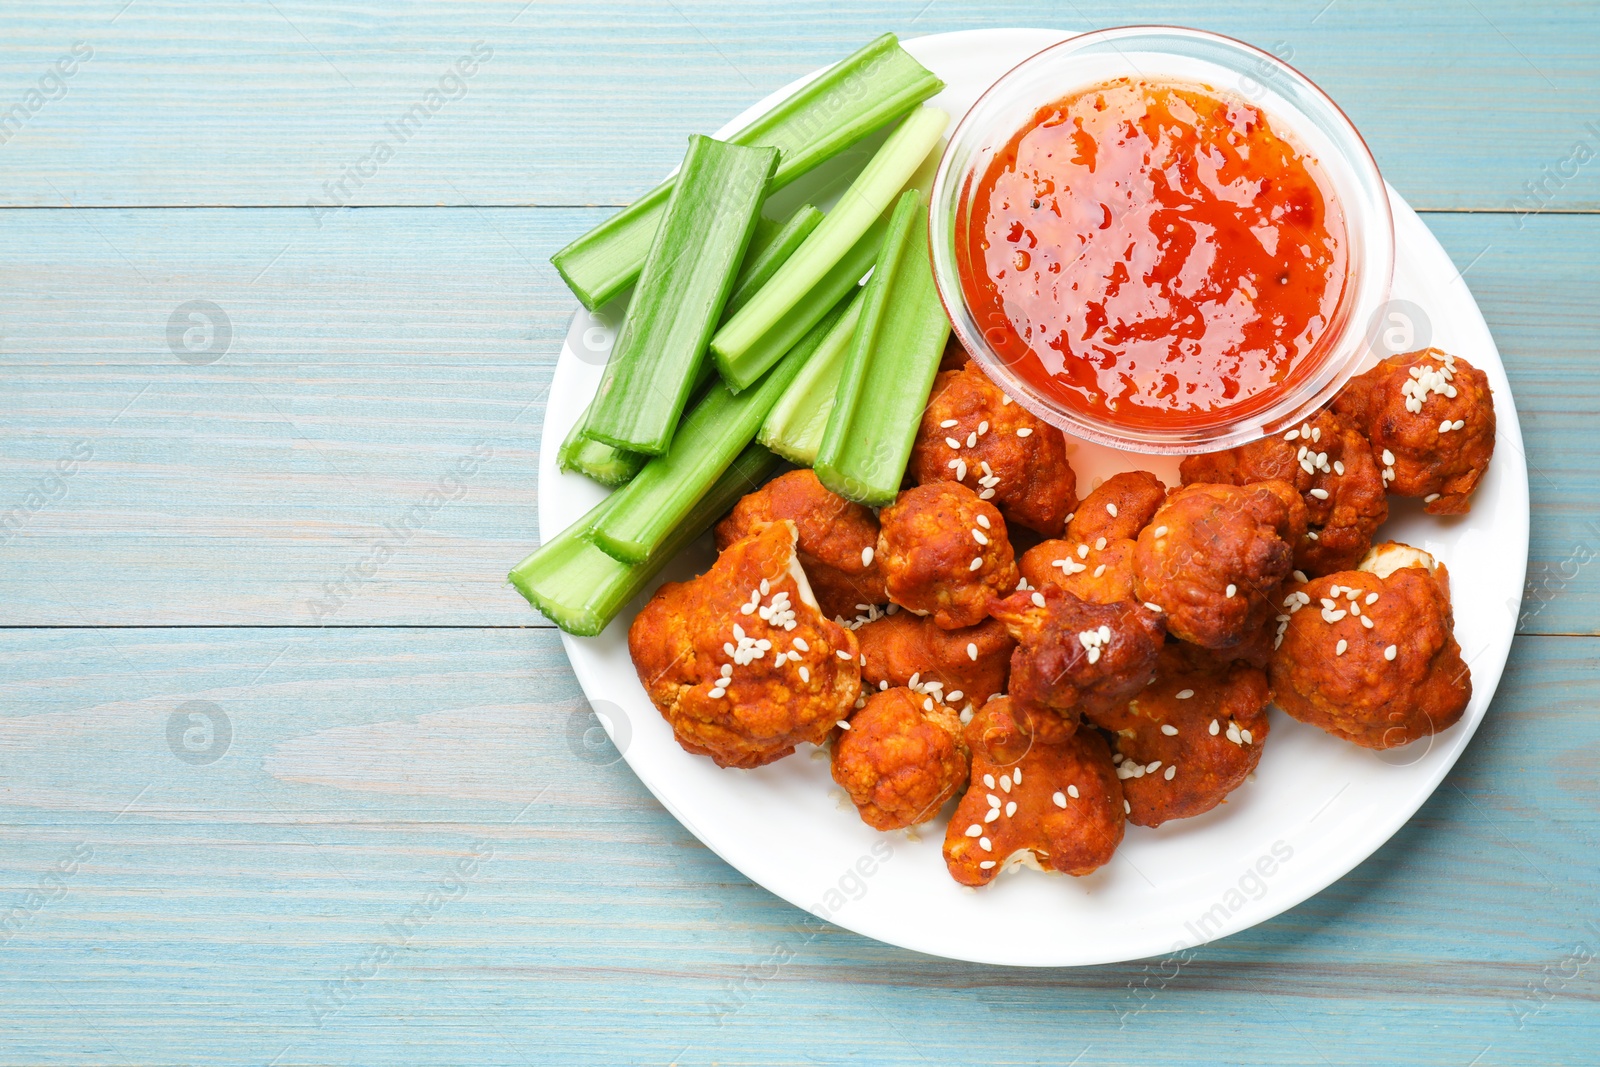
x=1343, y=354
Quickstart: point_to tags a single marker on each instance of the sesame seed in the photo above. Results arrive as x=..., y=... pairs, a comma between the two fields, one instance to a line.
x=1098, y=571
x=1016, y=776
x=1011, y=809
x=991, y=815
x=983, y=520
x=1152, y=766
x=805, y=674
x=748, y=609
x=1170, y=772
x=1127, y=809
x=841, y=653
x=1005, y=784
x=987, y=865
x=800, y=643
x=988, y=780
x=765, y=588
x=1059, y=799
x=1185, y=694
x=987, y=494
x=961, y=470
x=1372, y=598
x=977, y=561
x=1024, y=432
x=1111, y=509
x=983, y=428
x=1316, y=433
x=1388, y=458
x=972, y=654
x=866, y=556
x=841, y=724
x=1430, y=498
x=1292, y=435
x=1169, y=729
x=975, y=830
x=1083, y=551
x=1331, y=617
x=1339, y=649
x=980, y=537
x=947, y=423
x=1445, y=426
x=1099, y=544
x=1367, y=622
x=954, y=696
x=1338, y=467
x=883, y=686
x=1390, y=652
x=1245, y=735
x=1458, y=424
x=1038, y=600
x=972, y=438
x=952, y=442
x=1161, y=531
x=1153, y=607
x=983, y=843
x=1300, y=576
x=1215, y=729
x=927, y=704
x=1320, y=494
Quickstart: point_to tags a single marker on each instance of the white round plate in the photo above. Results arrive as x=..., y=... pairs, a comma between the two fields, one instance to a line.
x=1316, y=808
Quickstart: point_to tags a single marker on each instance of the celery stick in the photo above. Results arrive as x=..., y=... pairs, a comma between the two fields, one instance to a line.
x=681, y=292
x=581, y=589
x=794, y=426
x=762, y=261
x=852, y=100
x=889, y=369
x=868, y=197
x=604, y=463
x=651, y=506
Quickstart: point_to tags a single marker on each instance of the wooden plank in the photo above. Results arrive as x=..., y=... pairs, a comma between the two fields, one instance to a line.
x=227, y=911
x=370, y=359
x=263, y=103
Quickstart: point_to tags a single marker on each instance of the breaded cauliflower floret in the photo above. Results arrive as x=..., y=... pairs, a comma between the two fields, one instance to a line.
x=962, y=667
x=1213, y=556
x=1073, y=656
x=902, y=757
x=1430, y=418
x=972, y=433
x=1040, y=796
x=1329, y=462
x=740, y=660
x=837, y=538
x=1094, y=562
x=945, y=553
x=1368, y=655
x=1190, y=737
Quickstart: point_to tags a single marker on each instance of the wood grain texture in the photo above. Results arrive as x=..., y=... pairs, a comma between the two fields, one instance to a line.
x=370, y=358
x=227, y=911
x=264, y=102
x=409, y=848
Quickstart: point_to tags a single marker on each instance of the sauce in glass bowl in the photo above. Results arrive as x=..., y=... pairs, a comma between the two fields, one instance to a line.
x=1153, y=254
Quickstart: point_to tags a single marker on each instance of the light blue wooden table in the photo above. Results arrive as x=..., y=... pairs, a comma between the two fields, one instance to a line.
x=265, y=801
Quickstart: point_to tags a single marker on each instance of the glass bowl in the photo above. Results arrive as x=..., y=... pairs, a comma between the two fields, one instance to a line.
x=1297, y=110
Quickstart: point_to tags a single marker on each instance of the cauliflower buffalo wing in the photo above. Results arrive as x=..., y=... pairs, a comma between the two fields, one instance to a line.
x=1075, y=657
x=1095, y=560
x=1214, y=555
x=963, y=667
x=902, y=757
x=1330, y=464
x=973, y=434
x=1368, y=655
x=1430, y=418
x=1190, y=737
x=1041, y=795
x=740, y=661
x=837, y=538
x=945, y=553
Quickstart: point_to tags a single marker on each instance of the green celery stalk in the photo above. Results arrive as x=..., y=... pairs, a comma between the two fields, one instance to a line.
x=889, y=369
x=762, y=262
x=682, y=289
x=852, y=100
x=602, y=462
x=737, y=345
x=581, y=589
x=651, y=506
x=793, y=428
x=772, y=242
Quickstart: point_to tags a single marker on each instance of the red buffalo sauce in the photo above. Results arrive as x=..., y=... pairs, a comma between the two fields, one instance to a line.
x=1153, y=255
